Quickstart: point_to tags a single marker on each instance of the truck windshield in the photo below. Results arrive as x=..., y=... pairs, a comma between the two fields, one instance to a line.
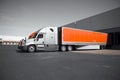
x=33, y=35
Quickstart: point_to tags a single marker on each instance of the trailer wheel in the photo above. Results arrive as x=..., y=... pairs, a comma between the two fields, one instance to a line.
x=70, y=48
x=31, y=48
x=63, y=48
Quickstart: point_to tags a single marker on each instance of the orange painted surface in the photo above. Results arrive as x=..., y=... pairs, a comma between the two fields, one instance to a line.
x=32, y=35
x=78, y=35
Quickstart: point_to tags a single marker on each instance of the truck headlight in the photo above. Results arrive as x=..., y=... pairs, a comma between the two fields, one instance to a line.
x=20, y=43
x=23, y=42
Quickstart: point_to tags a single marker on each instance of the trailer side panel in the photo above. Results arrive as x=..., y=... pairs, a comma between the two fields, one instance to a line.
x=83, y=37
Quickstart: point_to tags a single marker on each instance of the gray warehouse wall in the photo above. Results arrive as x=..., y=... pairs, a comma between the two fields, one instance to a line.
x=108, y=22
x=109, y=19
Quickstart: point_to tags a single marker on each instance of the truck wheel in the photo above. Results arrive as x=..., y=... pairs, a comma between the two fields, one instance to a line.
x=31, y=48
x=70, y=48
x=63, y=48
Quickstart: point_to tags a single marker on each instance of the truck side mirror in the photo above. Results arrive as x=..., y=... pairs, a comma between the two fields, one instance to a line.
x=37, y=38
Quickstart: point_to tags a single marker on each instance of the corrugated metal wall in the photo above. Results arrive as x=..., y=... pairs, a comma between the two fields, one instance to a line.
x=110, y=19
x=108, y=22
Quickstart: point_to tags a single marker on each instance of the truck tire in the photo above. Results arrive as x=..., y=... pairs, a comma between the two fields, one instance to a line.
x=63, y=48
x=70, y=48
x=31, y=48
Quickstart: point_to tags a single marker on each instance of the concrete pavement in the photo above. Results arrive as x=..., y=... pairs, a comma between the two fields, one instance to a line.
x=17, y=65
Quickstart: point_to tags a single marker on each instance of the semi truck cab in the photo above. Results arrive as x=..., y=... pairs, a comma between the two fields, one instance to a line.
x=43, y=39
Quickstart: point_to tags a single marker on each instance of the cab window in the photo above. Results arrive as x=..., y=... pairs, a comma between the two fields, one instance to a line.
x=51, y=30
x=40, y=36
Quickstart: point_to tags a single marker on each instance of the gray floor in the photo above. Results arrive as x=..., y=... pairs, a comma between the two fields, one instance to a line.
x=17, y=65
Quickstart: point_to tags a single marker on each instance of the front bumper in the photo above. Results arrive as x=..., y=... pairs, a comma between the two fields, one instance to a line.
x=22, y=47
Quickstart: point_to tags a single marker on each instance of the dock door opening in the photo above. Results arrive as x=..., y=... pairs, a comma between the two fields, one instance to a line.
x=113, y=40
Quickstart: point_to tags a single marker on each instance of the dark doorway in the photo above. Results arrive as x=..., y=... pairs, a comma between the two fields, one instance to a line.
x=117, y=38
x=113, y=40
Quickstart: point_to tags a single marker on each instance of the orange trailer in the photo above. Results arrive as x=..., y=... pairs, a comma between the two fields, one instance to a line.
x=72, y=36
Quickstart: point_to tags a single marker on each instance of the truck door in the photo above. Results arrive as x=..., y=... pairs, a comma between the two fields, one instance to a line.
x=40, y=41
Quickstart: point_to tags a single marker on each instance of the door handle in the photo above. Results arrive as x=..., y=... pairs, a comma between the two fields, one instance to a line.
x=43, y=42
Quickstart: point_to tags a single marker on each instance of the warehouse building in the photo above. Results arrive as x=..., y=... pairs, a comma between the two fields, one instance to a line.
x=108, y=22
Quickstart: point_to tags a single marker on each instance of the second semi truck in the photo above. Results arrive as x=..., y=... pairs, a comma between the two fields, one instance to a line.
x=61, y=38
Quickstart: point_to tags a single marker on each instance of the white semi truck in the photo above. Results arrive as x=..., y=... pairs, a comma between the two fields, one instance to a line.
x=61, y=38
